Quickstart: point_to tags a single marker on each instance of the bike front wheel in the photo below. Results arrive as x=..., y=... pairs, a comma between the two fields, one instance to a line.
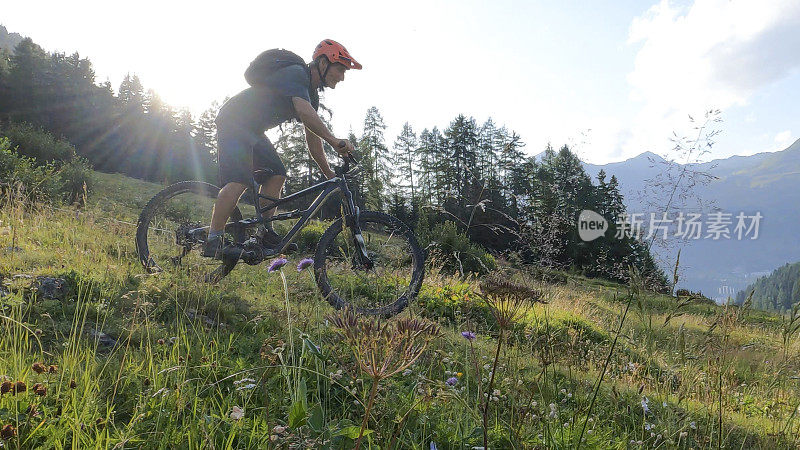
x=385, y=283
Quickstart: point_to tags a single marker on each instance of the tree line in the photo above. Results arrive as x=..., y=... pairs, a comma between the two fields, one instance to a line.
x=778, y=291
x=132, y=132
x=470, y=177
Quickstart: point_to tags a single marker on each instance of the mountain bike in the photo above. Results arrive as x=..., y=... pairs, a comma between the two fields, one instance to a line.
x=367, y=260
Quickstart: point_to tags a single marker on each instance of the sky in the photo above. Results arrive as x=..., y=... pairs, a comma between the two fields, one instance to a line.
x=612, y=79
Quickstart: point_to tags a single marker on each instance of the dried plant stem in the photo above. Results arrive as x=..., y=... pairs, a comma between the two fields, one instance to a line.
x=371, y=401
x=489, y=392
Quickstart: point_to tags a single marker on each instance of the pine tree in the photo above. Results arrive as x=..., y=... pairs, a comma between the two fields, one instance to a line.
x=375, y=159
x=131, y=93
x=462, y=140
x=487, y=146
x=26, y=82
x=205, y=130
x=292, y=147
x=403, y=161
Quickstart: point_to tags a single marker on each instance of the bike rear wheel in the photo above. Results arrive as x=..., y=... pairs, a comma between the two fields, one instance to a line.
x=163, y=238
x=389, y=285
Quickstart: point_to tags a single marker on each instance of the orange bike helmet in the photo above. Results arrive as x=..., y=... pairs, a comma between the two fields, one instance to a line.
x=336, y=53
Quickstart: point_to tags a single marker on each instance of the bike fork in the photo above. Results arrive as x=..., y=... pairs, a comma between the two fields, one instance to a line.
x=351, y=220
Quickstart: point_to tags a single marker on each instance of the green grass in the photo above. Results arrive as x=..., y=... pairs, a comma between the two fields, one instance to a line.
x=189, y=356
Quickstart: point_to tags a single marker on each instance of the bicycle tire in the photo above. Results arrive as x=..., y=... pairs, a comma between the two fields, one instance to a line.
x=367, y=220
x=158, y=202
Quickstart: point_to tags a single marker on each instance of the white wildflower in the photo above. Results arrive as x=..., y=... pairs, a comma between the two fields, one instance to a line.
x=237, y=413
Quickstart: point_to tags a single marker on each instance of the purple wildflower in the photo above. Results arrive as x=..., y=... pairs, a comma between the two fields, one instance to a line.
x=277, y=264
x=305, y=262
x=451, y=381
x=468, y=335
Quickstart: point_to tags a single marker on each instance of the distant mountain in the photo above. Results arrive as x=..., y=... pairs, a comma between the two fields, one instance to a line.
x=776, y=292
x=765, y=183
x=9, y=40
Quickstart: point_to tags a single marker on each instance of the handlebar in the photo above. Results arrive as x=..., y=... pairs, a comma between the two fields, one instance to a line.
x=349, y=159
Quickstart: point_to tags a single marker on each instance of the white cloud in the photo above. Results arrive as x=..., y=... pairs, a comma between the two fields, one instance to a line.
x=783, y=139
x=712, y=54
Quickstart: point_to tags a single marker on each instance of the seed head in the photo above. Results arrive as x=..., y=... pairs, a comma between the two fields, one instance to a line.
x=8, y=432
x=384, y=348
x=19, y=387
x=39, y=368
x=507, y=300
x=39, y=389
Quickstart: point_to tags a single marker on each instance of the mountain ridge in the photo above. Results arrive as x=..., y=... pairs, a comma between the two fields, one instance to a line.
x=765, y=183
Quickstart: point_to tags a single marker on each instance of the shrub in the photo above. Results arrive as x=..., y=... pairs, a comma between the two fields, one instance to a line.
x=38, y=182
x=546, y=275
x=75, y=180
x=443, y=301
x=21, y=173
x=453, y=250
x=37, y=143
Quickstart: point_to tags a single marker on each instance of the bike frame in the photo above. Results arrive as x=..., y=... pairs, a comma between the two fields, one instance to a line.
x=325, y=189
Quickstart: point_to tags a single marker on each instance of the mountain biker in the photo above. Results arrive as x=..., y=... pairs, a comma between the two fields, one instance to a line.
x=244, y=151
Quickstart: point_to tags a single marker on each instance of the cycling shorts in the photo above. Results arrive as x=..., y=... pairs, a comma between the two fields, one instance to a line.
x=245, y=156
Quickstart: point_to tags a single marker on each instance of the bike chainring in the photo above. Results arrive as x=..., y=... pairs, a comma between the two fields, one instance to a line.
x=186, y=239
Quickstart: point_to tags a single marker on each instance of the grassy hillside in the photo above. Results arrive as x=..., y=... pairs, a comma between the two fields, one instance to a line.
x=134, y=360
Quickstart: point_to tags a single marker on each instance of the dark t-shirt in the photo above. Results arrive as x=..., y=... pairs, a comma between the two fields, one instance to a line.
x=258, y=109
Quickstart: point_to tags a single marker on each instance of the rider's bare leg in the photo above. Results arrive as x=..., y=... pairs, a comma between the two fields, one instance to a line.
x=272, y=188
x=227, y=199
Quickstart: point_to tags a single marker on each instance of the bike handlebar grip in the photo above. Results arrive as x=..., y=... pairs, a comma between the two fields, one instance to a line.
x=348, y=159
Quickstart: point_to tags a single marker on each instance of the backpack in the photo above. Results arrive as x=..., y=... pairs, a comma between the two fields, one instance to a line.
x=267, y=63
